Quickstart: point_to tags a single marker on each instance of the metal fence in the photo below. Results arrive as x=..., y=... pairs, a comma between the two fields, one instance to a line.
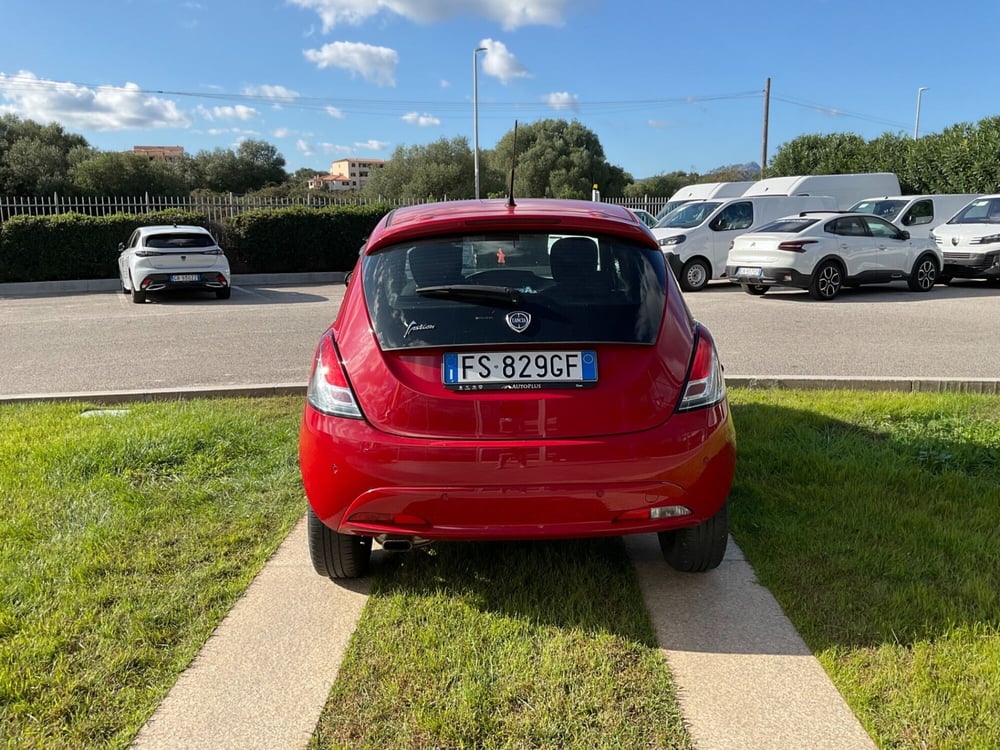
x=216, y=207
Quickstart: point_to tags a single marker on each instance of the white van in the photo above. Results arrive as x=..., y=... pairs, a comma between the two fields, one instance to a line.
x=847, y=189
x=917, y=214
x=696, y=236
x=702, y=191
x=970, y=241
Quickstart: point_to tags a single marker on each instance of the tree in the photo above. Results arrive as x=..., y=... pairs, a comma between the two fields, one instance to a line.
x=661, y=185
x=262, y=163
x=115, y=173
x=442, y=169
x=35, y=159
x=558, y=159
x=836, y=153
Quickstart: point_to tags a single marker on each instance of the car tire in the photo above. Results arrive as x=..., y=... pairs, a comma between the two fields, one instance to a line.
x=826, y=281
x=138, y=297
x=337, y=555
x=695, y=275
x=942, y=279
x=757, y=290
x=924, y=274
x=223, y=293
x=698, y=548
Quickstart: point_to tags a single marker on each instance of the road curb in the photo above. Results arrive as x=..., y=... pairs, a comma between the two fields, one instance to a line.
x=904, y=385
x=77, y=286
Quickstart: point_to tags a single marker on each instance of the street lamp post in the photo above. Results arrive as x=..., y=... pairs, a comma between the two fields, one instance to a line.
x=916, y=125
x=475, y=112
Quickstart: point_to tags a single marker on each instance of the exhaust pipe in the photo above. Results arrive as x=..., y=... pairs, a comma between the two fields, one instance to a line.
x=397, y=544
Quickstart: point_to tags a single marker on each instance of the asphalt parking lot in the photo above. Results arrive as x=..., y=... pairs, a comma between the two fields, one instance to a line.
x=266, y=334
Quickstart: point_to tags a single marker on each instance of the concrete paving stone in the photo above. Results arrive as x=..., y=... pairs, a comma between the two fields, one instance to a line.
x=745, y=679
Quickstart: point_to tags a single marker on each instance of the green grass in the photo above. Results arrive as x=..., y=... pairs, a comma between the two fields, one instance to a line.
x=505, y=646
x=125, y=540
x=873, y=518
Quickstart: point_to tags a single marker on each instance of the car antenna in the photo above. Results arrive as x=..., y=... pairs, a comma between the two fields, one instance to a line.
x=513, y=164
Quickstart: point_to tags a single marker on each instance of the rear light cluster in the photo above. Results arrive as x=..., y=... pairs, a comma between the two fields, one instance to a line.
x=705, y=385
x=329, y=391
x=795, y=246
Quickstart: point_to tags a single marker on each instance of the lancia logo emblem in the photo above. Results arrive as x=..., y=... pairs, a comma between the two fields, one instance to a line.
x=518, y=321
x=954, y=241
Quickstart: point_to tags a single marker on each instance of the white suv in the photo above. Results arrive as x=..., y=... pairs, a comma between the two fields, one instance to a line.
x=970, y=241
x=823, y=251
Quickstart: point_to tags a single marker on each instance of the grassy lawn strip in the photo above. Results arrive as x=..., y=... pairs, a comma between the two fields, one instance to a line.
x=873, y=518
x=125, y=540
x=504, y=645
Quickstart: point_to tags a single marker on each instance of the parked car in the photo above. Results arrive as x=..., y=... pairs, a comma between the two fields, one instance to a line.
x=823, y=251
x=970, y=241
x=917, y=214
x=645, y=217
x=697, y=236
x=162, y=257
x=501, y=372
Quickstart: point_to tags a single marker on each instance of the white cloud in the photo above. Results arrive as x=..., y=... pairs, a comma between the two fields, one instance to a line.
x=375, y=64
x=510, y=15
x=333, y=148
x=304, y=147
x=423, y=120
x=372, y=145
x=281, y=132
x=335, y=113
x=102, y=108
x=563, y=100
x=445, y=84
x=238, y=112
x=278, y=93
x=500, y=63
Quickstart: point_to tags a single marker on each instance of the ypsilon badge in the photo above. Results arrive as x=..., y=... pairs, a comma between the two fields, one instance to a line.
x=518, y=320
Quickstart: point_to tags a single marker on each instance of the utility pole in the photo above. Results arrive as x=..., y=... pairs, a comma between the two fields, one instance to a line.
x=763, y=150
x=475, y=112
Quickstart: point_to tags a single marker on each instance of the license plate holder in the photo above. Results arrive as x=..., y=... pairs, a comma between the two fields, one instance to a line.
x=519, y=370
x=749, y=272
x=180, y=277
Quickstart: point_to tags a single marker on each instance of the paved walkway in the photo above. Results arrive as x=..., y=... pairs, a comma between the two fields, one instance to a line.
x=744, y=677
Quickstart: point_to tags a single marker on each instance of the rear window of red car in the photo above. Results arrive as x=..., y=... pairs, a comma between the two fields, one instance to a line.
x=460, y=291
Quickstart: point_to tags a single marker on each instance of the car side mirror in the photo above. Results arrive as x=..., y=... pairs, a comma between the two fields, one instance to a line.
x=906, y=234
x=347, y=277
x=121, y=246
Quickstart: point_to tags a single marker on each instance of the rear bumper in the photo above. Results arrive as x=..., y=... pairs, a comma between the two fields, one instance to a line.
x=360, y=481
x=771, y=277
x=155, y=282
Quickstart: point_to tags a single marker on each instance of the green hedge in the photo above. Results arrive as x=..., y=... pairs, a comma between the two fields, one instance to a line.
x=286, y=240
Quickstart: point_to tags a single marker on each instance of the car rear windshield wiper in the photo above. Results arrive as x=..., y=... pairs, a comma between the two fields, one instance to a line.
x=472, y=292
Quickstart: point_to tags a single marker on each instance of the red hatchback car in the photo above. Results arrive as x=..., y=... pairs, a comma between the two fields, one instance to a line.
x=501, y=371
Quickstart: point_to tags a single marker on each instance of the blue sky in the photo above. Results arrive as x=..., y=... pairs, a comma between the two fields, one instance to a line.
x=665, y=85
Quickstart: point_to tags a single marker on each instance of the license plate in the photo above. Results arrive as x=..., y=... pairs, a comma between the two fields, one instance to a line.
x=753, y=273
x=185, y=277
x=468, y=371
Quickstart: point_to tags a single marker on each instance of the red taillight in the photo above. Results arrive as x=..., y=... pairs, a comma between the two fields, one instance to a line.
x=795, y=246
x=329, y=391
x=221, y=279
x=705, y=385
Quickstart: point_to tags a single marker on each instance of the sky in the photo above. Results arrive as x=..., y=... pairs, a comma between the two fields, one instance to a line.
x=665, y=85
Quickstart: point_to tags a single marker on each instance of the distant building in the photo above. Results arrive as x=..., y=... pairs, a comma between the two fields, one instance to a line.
x=347, y=174
x=163, y=153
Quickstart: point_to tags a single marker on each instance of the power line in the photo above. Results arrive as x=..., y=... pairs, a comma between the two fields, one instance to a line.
x=399, y=107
